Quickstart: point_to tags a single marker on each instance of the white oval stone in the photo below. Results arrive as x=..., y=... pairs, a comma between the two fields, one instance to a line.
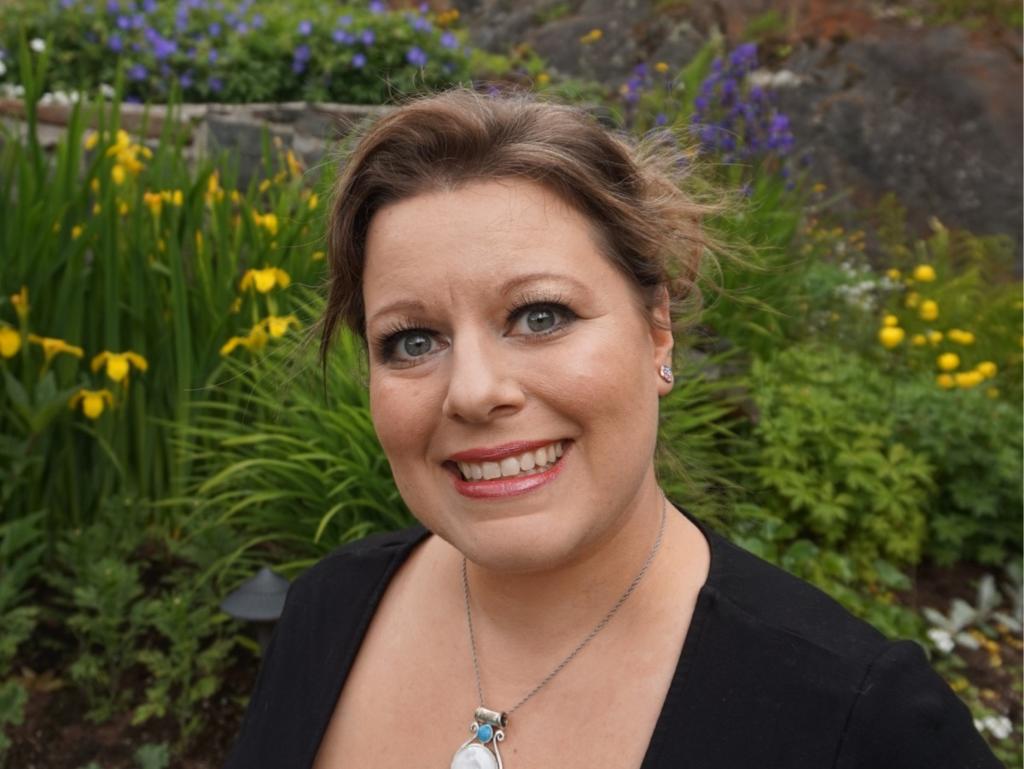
x=474, y=756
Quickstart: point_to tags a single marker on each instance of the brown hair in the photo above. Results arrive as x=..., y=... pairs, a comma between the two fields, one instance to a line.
x=631, y=191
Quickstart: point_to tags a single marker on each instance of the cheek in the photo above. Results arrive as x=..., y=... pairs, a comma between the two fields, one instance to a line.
x=402, y=413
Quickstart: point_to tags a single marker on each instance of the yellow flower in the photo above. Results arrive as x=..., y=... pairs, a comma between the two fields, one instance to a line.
x=53, y=347
x=214, y=193
x=93, y=402
x=256, y=340
x=96, y=209
x=266, y=221
x=90, y=140
x=592, y=36
x=934, y=337
x=118, y=363
x=893, y=274
x=123, y=208
x=543, y=79
x=945, y=381
x=173, y=197
x=293, y=164
x=76, y=232
x=818, y=188
x=117, y=174
x=890, y=320
x=948, y=361
x=992, y=392
x=20, y=302
x=264, y=185
x=960, y=337
x=924, y=273
x=154, y=200
x=10, y=342
x=277, y=326
x=891, y=336
x=264, y=280
x=968, y=379
x=317, y=256
x=661, y=66
x=236, y=305
x=199, y=242
x=912, y=300
x=987, y=369
x=236, y=197
x=929, y=310
x=918, y=340
x=314, y=201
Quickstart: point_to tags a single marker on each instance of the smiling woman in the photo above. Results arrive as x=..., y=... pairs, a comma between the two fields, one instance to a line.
x=516, y=271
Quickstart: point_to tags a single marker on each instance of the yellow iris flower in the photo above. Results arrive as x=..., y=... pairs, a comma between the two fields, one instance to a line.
x=256, y=340
x=264, y=280
x=118, y=364
x=53, y=347
x=93, y=402
x=929, y=310
x=10, y=342
x=968, y=379
x=20, y=302
x=987, y=369
x=948, y=361
x=277, y=326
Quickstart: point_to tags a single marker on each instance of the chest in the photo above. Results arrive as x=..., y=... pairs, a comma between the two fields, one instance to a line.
x=411, y=694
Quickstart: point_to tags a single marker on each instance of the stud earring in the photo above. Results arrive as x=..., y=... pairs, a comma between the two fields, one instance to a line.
x=666, y=373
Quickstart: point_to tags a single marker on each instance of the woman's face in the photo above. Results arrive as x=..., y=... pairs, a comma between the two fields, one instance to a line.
x=513, y=375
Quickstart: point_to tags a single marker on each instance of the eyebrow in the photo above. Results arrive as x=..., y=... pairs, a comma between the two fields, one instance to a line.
x=416, y=307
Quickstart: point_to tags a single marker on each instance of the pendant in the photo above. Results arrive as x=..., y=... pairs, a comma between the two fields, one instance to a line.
x=480, y=751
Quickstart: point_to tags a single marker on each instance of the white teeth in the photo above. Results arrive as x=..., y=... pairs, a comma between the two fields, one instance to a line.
x=528, y=462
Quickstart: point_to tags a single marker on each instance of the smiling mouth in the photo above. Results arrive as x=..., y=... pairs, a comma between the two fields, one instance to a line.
x=517, y=466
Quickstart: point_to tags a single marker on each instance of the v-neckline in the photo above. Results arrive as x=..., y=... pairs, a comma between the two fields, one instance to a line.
x=673, y=698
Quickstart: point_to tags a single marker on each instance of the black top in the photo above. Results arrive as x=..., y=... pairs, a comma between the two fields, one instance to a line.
x=773, y=673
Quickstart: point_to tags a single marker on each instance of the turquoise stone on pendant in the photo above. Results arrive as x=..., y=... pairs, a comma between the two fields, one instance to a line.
x=484, y=733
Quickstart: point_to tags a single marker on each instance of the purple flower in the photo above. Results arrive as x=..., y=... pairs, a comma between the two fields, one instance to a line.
x=258, y=21
x=359, y=60
x=660, y=119
x=185, y=80
x=416, y=56
x=421, y=25
x=215, y=84
x=376, y=6
x=137, y=72
x=149, y=6
x=65, y=4
x=241, y=28
x=123, y=22
x=300, y=58
x=305, y=27
x=341, y=37
x=449, y=41
x=113, y=6
x=214, y=29
x=424, y=7
x=344, y=21
x=114, y=43
x=368, y=37
x=212, y=56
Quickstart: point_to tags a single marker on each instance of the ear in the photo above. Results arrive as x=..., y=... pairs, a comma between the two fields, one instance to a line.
x=661, y=336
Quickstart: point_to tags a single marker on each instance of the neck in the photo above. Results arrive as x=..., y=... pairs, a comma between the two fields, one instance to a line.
x=525, y=622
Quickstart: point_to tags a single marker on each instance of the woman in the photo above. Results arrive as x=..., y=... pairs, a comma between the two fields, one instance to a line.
x=515, y=270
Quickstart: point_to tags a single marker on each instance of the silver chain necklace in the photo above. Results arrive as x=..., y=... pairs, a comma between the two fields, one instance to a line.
x=480, y=751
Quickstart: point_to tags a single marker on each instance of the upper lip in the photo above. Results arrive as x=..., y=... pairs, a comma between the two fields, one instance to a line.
x=495, y=453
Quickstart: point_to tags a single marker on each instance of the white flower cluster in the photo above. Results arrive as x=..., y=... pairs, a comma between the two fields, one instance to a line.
x=942, y=639
x=999, y=727
x=765, y=78
x=863, y=289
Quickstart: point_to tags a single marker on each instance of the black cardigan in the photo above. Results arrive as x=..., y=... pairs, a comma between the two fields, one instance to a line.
x=773, y=673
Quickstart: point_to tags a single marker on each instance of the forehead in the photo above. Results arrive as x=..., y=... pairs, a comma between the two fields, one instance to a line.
x=475, y=238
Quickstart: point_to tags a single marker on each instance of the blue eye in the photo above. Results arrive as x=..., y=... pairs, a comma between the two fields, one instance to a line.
x=414, y=344
x=540, y=319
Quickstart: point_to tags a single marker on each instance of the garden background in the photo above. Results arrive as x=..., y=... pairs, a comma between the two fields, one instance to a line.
x=849, y=406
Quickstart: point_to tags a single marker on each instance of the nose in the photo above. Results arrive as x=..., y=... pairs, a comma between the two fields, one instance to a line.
x=482, y=384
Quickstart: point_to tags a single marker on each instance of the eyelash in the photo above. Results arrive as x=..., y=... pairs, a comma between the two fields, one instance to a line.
x=386, y=341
